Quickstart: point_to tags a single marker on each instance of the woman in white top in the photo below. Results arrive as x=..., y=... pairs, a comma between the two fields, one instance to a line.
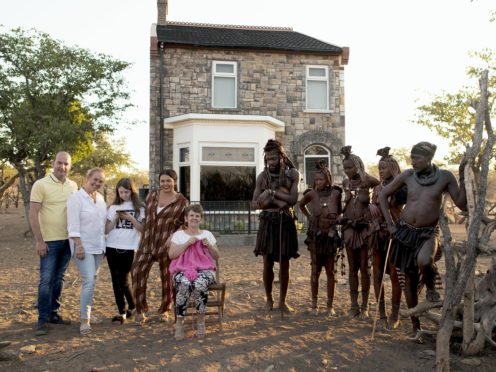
x=124, y=227
x=86, y=212
x=193, y=253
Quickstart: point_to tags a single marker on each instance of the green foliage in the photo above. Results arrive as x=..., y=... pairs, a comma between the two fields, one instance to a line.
x=452, y=115
x=54, y=97
x=111, y=157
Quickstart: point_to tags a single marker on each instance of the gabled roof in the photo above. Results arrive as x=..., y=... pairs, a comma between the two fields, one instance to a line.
x=242, y=37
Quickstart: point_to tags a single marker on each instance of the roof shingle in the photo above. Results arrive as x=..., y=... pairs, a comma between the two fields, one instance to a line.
x=243, y=38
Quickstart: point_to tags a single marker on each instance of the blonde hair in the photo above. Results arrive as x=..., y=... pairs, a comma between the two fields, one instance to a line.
x=92, y=171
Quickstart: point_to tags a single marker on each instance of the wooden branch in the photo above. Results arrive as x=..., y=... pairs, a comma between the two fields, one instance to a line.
x=478, y=210
x=449, y=257
x=7, y=184
x=422, y=308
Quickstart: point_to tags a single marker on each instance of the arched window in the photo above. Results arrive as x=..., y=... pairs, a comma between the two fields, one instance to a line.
x=312, y=154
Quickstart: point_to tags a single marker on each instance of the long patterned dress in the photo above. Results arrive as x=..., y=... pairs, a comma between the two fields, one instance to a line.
x=154, y=246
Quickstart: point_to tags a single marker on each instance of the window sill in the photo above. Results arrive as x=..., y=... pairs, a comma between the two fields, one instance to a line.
x=234, y=109
x=318, y=111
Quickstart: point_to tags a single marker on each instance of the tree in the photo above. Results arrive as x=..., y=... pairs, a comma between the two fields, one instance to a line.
x=460, y=267
x=54, y=97
x=111, y=157
x=452, y=116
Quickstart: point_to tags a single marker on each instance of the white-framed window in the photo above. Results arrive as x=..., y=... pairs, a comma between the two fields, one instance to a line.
x=317, y=88
x=227, y=171
x=312, y=155
x=224, y=84
x=184, y=171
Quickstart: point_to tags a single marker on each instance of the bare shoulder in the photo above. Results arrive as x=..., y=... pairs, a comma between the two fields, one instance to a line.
x=294, y=174
x=446, y=175
x=260, y=177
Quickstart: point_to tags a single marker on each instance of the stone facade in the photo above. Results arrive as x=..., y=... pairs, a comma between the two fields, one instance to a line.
x=269, y=83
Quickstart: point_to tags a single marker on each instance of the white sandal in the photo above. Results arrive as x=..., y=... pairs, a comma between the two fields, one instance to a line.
x=84, y=329
x=200, y=329
x=179, y=334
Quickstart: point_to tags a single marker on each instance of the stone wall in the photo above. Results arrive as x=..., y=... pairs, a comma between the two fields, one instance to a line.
x=270, y=84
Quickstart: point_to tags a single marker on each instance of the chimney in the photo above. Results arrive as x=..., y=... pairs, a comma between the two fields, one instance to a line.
x=162, y=12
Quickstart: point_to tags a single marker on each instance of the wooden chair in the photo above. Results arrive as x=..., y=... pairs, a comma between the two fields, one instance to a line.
x=216, y=297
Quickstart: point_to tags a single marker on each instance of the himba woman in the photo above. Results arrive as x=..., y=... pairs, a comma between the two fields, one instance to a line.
x=356, y=228
x=380, y=238
x=163, y=216
x=323, y=239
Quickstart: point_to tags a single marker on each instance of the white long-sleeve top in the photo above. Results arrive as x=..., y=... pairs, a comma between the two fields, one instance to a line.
x=86, y=220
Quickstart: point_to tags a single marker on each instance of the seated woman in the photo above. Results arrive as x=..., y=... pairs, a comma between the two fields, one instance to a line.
x=193, y=253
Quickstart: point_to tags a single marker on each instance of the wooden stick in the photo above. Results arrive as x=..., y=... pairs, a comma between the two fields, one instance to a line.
x=380, y=288
x=280, y=263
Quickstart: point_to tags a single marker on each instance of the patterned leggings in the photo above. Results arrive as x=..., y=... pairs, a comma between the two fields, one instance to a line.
x=198, y=287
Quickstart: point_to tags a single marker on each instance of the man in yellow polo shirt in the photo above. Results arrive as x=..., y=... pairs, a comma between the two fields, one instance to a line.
x=48, y=219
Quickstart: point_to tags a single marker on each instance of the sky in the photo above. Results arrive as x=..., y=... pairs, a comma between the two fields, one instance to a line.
x=401, y=51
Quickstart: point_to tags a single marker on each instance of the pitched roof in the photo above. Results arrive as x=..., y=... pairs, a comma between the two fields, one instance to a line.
x=242, y=37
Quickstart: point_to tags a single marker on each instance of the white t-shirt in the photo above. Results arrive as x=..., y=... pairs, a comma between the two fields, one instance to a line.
x=124, y=235
x=181, y=237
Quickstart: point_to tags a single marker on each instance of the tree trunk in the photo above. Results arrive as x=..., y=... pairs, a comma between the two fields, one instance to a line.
x=443, y=342
x=468, y=313
x=25, y=192
x=476, y=208
x=7, y=184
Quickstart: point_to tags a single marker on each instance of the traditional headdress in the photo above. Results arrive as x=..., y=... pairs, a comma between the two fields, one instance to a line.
x=357, y=162
x=424, y=148
x=390, y=161
x=322, y=168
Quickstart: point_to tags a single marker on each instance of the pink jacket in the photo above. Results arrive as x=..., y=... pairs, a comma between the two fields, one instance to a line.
x=195, y=258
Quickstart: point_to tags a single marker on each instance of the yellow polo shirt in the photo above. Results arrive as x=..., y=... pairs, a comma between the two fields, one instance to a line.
x=53, y=195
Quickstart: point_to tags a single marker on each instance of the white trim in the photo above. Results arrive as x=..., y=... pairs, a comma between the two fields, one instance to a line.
x=170, y=123
x=233, y=75
x=179, y=148
x=319, y=111
x=153, y=31
x=324, y=78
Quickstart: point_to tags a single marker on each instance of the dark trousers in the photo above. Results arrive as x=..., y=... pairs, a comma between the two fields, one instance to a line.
x=120, y=262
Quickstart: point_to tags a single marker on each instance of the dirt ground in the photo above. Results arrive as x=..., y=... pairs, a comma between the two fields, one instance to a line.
x=249, y=339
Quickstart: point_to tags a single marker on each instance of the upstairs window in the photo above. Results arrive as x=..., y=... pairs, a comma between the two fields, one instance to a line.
x=224, y=84
x=317, y=88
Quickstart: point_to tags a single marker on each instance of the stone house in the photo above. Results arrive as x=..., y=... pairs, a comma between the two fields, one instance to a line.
x=219, y=92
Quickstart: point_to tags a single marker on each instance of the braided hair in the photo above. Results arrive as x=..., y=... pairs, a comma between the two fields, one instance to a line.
x=284, y=162
x=357, y=162
x=322, y=168
x=390, y=161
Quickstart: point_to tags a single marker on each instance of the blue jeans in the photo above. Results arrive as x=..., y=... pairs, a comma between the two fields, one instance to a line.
x=89, y=270
x=52, y=269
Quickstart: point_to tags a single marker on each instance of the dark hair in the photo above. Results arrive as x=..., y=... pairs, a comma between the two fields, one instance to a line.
x=171, y=173
x=197, y=208
x=275, y=145
x=322, y=168
x=128, y=184
x=284, y=162
x=356, y=160
x=389, y=160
